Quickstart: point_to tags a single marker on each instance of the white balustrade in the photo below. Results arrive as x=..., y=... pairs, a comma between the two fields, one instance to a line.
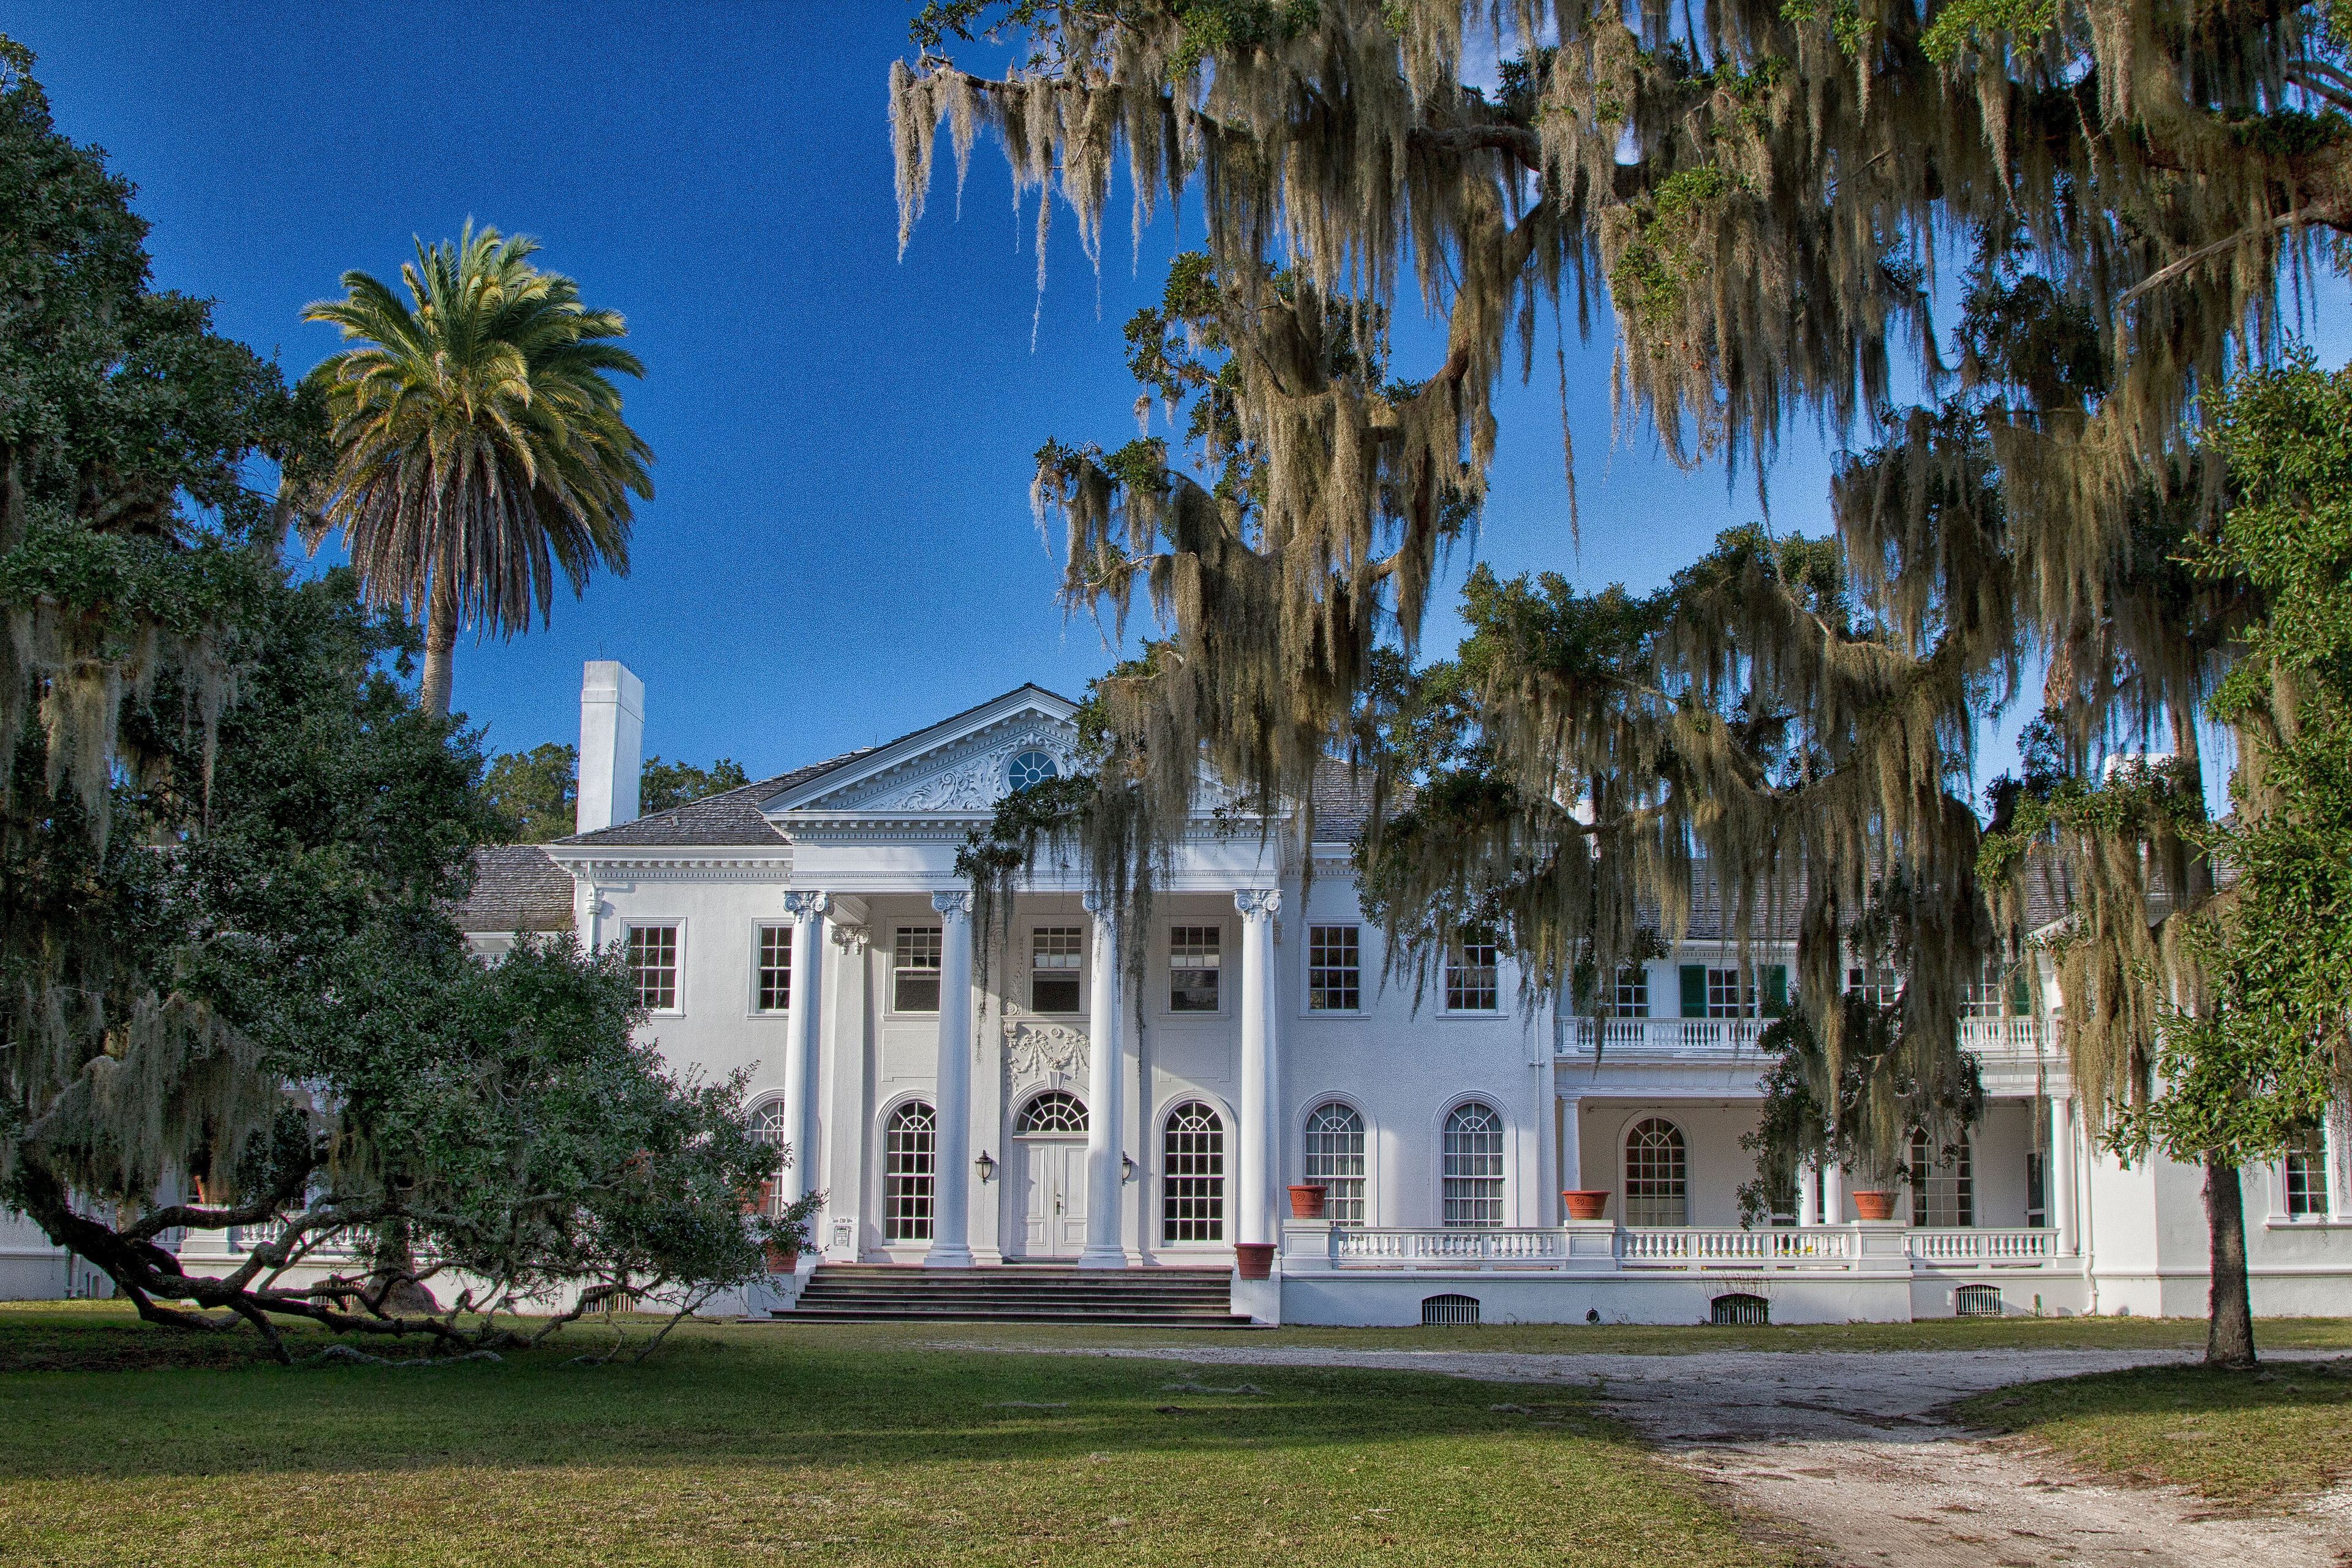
x=1963, y=1248
x=1995, y=1039
x=1691, y=1247
x=1357, y=1245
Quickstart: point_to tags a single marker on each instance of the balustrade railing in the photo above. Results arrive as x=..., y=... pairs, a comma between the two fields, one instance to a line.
x=1943, y=1245
x=1777, y=1247
x=1997, y=1038
x=1354, y=1244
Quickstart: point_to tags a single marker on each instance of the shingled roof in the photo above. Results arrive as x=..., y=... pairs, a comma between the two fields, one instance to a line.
x=516, y=887
x=731, y=817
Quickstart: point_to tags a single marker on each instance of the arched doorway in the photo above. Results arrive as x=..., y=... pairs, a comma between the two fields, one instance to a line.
x=1049, y=1175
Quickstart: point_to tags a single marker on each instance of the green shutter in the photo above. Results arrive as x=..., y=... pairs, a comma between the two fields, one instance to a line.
x=1776, y=989
x=1693, y=990
x=2021, y=994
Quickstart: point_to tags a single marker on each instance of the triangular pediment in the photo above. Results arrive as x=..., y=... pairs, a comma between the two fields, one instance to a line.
x=963, y=764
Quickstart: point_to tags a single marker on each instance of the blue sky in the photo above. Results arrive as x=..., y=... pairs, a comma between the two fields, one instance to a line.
x=840, y=548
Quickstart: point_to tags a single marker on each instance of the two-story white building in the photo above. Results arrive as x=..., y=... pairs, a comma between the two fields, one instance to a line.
x=975, y=1101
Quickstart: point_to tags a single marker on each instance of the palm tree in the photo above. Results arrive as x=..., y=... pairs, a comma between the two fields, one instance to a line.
x=478, y=445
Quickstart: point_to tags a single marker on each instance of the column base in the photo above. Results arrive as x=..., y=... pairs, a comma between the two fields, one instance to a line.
x=1113, y=1257
x=949, y=1256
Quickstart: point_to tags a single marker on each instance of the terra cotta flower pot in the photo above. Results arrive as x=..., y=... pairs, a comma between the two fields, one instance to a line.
x=1256, y=1259
x=1873, y=1206
x=1586, y=1203
x=1306, y=1201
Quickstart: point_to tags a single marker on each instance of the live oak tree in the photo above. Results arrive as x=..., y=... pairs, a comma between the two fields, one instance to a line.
x=230, y=991
x=536, y=791
x=478, y=447
x=1769, y=198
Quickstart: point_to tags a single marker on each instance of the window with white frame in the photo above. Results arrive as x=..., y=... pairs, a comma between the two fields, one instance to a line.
x=1657, y=1174
x=1632, y=992
x=915, y=970
x=1730, y=994
x=768, y=1130
x=1195, y=955
x=1471, y=973
x=1879, y=987
x=1989, y=992
x=1335, y=1160
x=1192, y=1175
x=1057, y=1111
x=653, y=967
x=910, y=1162
x=1943, y=1183
x=774, y=991
x=1473, y=1168
x=2307, y=1177
x=1056, y=954
x=1335, y=969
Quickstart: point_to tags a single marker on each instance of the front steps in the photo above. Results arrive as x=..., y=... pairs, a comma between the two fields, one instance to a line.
x=1030, y=1293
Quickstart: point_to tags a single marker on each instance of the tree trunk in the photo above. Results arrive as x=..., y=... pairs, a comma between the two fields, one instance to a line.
x=2230, y=1311
x=440, y=641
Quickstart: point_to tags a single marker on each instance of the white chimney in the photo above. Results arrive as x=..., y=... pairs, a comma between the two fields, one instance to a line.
x=612, y=743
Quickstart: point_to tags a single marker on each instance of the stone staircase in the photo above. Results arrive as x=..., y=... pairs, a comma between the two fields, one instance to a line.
x=1024, y=1293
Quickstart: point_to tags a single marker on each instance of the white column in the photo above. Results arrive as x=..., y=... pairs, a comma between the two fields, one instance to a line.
x=2340, y=1190
x=1832, y=1193
x=1254, y=1167
x=1809, y=1198
x=803, y=1035
x=1570, y=1117
x=1106, y=1094
x=2061, y=1173
x=1547, y=1208
x=951, y=1180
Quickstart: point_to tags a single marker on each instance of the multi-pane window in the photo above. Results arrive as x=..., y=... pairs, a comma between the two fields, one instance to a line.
x=653, y=967
x=1335, y=969
x=775, y=987
x=768, y=1129
x=1657, y=1174
x=1192, y=1175
x=1473, y=1165
x=1055, y=1111
x=1730, y=994
x=909, y=1161
x=1470, y=974
x=2307, y=1177
x=1055, y=954
x=1943, y=1192
x=915, y=970
x=1878, y=987
x=1335, y=1160
x=1632, y=992
x=1989, y=993
x=1194, y=955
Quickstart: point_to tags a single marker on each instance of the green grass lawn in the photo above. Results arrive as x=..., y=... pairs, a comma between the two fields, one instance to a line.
x=2250, y=1440
x=756, y=1443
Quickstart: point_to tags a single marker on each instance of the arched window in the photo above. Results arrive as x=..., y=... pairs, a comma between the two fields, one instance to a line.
x=1657, y=1174
x=1473, y=1165
x=768, y=1124
x=1335, y=1160
x=910, y=1158
x=1192, y=1175
x=2307, y=1177
x=1942, y=1193
x=1055, y=1111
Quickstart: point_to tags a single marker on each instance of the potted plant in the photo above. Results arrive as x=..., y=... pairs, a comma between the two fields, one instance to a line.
x=1585, y=1202
x=1255, y=1260
x=1307, y=1200
x=1873, y=1204
x=786, y=1233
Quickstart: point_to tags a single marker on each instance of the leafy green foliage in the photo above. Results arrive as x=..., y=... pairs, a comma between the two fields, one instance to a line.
x=662, y=785
x=536, y=791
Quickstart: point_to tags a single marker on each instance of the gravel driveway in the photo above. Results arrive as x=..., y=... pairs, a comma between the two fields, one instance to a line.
x=1842, y=1445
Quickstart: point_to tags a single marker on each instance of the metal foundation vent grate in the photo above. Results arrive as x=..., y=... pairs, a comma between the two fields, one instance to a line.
x=1977, y=1301
x=1739, y=1312
x=1448, y=1311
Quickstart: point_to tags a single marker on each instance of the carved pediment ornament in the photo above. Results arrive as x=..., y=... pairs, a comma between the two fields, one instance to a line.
x=1033, y=1046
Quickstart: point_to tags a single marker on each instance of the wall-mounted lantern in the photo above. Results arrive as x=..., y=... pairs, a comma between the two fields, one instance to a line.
x=987, y=1167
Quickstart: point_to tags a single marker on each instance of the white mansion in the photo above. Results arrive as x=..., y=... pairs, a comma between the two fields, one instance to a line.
x=811, y=927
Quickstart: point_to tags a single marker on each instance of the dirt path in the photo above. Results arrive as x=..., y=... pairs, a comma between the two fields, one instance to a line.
x=1843, y=1447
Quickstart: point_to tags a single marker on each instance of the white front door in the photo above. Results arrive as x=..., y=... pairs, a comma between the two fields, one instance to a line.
x=1052, y=1185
